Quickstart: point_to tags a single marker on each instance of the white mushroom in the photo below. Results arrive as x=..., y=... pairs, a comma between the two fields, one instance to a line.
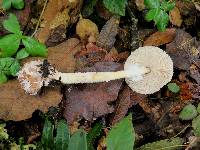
x=146, y=70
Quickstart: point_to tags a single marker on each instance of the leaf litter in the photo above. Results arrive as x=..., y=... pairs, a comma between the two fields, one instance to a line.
x=92, y=100
x=155, y=115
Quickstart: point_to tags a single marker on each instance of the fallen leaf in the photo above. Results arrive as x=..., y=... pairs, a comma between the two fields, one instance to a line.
x=122, y=106
x=194, y=73
x=197, y=5
x=183, y=47
x=160, y=38
x=185, y=93
x=92, y=100
x=62, y=55
x=175, y=17
x=56, y=37
x=106, y=38
x=87, y=30
x=89, y=55
x=54, y=15
x=186, y=7
x=16, y=105
x=195, y=90
x=140, y=4
x=57, y=16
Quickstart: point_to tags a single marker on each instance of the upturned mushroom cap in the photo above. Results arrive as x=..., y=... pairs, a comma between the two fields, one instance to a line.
x=160, y=65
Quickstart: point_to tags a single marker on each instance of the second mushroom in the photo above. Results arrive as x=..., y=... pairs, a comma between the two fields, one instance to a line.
x=146, y=70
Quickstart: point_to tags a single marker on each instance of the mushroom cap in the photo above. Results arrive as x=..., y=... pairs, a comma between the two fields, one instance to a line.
x=160, y=65
x=30, y=77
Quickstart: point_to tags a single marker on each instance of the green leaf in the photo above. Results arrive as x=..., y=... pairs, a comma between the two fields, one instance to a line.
x=3, y=79
x=3, y=132
x=188, y=112
x=116, y=6
x=33, y=47
x=173, y=87
x=22, y=54
x=9, y=66
x=167, y=6
x=9, y=45
x=78, y=141
x=47, y=135
x=14, y=68
x=12, y=24
x=88, y=8
x=198, y=108
x=93, y=134
x=163, y=21
x=152, y=14
x=18, y=4
x=121, y=136
x=62, y=136
x=196, y=125
x=152, y=3
x=167, y=144
x=6, y=4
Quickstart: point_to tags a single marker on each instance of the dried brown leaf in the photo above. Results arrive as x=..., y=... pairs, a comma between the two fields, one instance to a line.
x=195, y=90
x=186, y=7
x=183, y=47
x=194, y=73
x=87, y=30
x=175, y=17
x=57, y=16
x=92, y=100
x=106, y=38
x=140, y=4
x=62, y=55
x=159, y=38
x=16, y=105
x=54, y=15
x=122, y=106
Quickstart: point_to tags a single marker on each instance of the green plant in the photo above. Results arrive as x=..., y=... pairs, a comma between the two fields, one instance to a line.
x=9, y=45
x=122, y=135
x=189, y=112
x=17, y=4
x=62, y=140
x=173, y=87
x=158, y=12
x=93, y=134
x=116, y=6
x=166, y=144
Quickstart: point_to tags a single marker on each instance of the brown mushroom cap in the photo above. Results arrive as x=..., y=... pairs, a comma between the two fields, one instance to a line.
x=160, y=65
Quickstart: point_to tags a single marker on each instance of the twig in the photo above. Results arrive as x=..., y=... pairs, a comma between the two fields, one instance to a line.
x=38, y=23
x=181, y=131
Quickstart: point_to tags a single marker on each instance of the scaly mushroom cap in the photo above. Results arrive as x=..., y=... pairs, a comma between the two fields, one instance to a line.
x=30, y=77
x=160, y=65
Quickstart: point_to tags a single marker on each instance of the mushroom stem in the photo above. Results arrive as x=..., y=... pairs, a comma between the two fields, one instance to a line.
x=135, y=72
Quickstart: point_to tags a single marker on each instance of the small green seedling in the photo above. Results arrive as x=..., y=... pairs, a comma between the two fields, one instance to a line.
x=17, y=4
x=9, y=45
x=158, y=12
x=173, y=87
x=189, y=112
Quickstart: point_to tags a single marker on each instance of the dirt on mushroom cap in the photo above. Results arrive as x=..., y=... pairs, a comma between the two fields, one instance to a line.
x=161, y=67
